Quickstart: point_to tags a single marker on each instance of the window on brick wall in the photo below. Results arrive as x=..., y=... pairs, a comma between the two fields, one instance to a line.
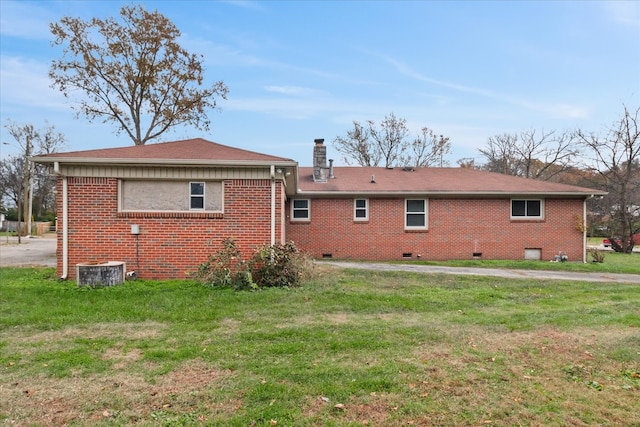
x=527, y=209
x=361, y=209
x=415, y=217
x=300, y=210
x=170, y=196
x=196, y=196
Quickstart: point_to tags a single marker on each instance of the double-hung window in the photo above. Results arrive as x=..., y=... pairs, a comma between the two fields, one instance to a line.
x=196, y=196
x=300, y=210
x=360, y=210
x=415, y=217
x=527, y=209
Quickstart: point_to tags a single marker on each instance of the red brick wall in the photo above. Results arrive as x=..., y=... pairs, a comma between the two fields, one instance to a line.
x=170, y=245
x=457, y=229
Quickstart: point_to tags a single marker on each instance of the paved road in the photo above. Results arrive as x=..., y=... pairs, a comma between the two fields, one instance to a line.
x=36, y=251
x=498, y=272
x=41, y=251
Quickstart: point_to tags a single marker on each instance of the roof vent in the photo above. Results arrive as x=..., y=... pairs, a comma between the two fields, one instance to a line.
x=408, y=169
x=373, y=179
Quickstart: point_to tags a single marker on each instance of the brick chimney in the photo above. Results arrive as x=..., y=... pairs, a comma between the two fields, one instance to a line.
x=319, y=161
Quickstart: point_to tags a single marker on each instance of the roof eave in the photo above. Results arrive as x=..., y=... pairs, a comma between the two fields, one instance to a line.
x=163, y=162
x=369, y=193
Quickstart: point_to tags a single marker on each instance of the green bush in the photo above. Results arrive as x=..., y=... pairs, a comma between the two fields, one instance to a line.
x=280, y=265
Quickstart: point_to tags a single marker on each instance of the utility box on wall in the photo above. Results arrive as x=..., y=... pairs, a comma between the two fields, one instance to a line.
x=100, y=274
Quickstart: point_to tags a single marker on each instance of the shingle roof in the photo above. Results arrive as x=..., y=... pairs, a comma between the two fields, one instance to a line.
x=433, y=181
x=347, y=181
x=188, y=149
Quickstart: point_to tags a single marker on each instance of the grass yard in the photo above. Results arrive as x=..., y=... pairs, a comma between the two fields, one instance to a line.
x=613, y=263
x=350, y=348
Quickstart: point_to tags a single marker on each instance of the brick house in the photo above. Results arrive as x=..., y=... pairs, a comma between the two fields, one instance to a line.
x=164, y=208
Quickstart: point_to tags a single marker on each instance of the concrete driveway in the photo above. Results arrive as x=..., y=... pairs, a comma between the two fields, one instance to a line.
x=32, y=252
x=496, y=272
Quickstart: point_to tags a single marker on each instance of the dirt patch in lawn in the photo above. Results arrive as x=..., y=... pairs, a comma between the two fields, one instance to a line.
x=129, y=392
x=542, y=377
x=120, y=397
x=130, y=331
x=578, y=375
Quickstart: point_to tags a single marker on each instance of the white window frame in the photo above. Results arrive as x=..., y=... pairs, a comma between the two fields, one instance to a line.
x=356, y=208
x=526, y=216
x=295, y=209
x=424, y=212
x=199, y=196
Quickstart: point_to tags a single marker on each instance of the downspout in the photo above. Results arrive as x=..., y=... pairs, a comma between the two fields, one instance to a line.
x=65, y=222
x=273, y=205
x=584, y=231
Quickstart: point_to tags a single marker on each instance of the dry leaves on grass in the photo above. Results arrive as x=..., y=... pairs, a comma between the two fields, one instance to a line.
x=60, y=401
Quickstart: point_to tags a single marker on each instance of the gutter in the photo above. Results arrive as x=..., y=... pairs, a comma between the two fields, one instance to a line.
x=584, y=231
x=273, y=205
x=427, y=193
x=86, y=161
x=65, y=222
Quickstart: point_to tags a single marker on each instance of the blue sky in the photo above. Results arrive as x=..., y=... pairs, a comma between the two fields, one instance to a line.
x=300, y=70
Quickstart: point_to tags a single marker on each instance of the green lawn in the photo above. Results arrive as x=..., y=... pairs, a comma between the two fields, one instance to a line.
x=613, y=263
x=350, y=348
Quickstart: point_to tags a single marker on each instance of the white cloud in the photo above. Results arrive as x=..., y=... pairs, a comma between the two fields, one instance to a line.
x=560, y=111
x=623, y=12
x=292, y=90
x=244, y=4
x=24, y=19
x=556, y=110
x=26, y=83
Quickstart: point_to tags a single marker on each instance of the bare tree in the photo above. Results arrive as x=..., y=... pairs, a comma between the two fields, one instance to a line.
x=12, y=180
x=530, y=154
x=20, y=176
x=546, y=154
x=387, y=143
x=389, y=139
x=501, y=154
x=133, y=73
x=429, y=149
x=467, y=163
x=616, y=158
x=44, y=194
x=356, y=146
